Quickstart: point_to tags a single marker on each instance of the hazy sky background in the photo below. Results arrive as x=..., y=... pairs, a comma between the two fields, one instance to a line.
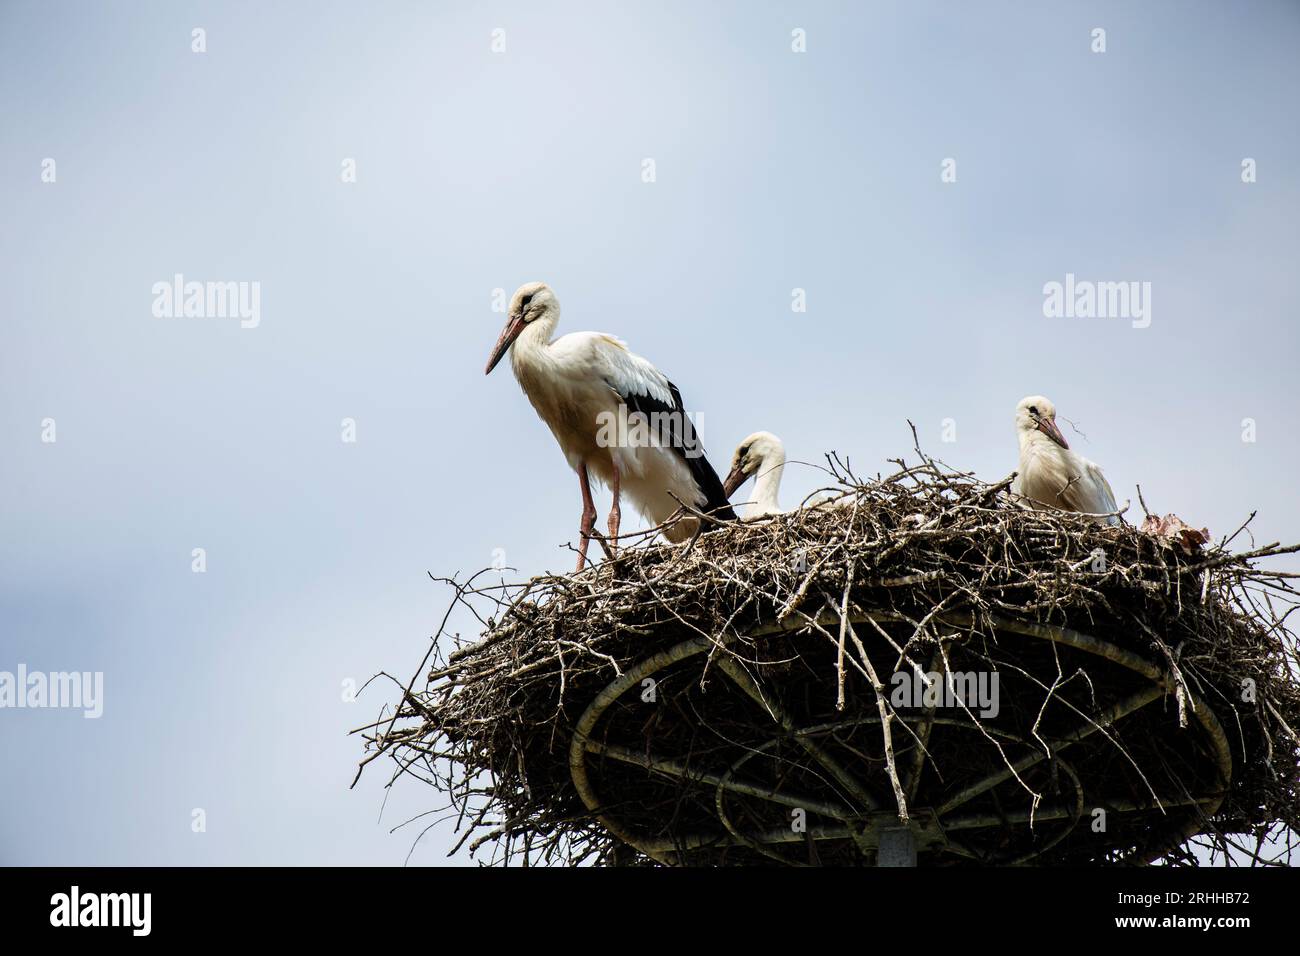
x=478, y=171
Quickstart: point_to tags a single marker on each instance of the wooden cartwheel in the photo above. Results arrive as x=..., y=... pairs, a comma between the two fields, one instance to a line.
x=736, y=753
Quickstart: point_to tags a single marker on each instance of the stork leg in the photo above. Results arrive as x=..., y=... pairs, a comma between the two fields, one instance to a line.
x=615, y=514
x=588, y=516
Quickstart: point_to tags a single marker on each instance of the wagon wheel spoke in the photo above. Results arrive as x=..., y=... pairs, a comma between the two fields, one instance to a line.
x=775, y=837
x=974, y=821
x=733, y=670
x=785, y=836
x=1116, y=712
x=673, y=768
x=720, y=804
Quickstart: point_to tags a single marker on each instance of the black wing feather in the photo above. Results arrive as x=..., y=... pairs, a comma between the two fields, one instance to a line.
x=688, y=448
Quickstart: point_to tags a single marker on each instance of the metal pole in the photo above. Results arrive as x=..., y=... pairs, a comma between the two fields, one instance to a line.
x=897, y=847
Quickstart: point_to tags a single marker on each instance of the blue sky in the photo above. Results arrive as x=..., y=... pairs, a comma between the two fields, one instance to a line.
x=478, y=170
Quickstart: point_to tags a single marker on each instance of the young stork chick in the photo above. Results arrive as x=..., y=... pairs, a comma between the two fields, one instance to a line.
x=761, y=454
x=1050, y=474
x=585, y=386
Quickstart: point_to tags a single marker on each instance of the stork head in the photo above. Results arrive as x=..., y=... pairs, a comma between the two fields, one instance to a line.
x=750, y=456
x=1038, y=414
x=530, y=302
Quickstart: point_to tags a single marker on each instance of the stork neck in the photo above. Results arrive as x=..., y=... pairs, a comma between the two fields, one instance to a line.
x=1037, y=447
x=767, y=483
x=532, y=346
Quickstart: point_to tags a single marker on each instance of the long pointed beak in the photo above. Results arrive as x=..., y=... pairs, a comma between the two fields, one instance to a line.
x=511, y=332
x=734, y=481
x=1048, y=428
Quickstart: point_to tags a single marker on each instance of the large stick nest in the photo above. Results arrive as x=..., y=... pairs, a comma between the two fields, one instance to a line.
x=735, y=700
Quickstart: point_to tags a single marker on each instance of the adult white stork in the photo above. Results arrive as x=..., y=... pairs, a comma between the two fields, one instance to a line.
x=1052, y=475
x=615, y=415
x=761, y=454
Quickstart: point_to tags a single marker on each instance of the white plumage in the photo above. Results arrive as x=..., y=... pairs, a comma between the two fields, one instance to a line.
x=586, y=386
x=762, y=455
x=1052, y=475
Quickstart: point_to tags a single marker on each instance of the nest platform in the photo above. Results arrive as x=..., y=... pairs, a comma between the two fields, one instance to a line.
x=921, y=673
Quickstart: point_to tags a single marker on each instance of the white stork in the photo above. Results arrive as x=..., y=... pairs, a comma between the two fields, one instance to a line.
x=761, y=454
x=1050, y=473
x=586, y=386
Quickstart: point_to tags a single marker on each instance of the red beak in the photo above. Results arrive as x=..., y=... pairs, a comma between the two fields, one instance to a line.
x=511, y=332
x=734, y=481
x=1048, y=428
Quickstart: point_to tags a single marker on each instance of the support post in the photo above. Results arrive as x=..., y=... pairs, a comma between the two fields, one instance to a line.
x=897, y=847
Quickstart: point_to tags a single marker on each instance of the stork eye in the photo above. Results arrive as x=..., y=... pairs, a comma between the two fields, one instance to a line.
x=1033, y=410
x=528, y=298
